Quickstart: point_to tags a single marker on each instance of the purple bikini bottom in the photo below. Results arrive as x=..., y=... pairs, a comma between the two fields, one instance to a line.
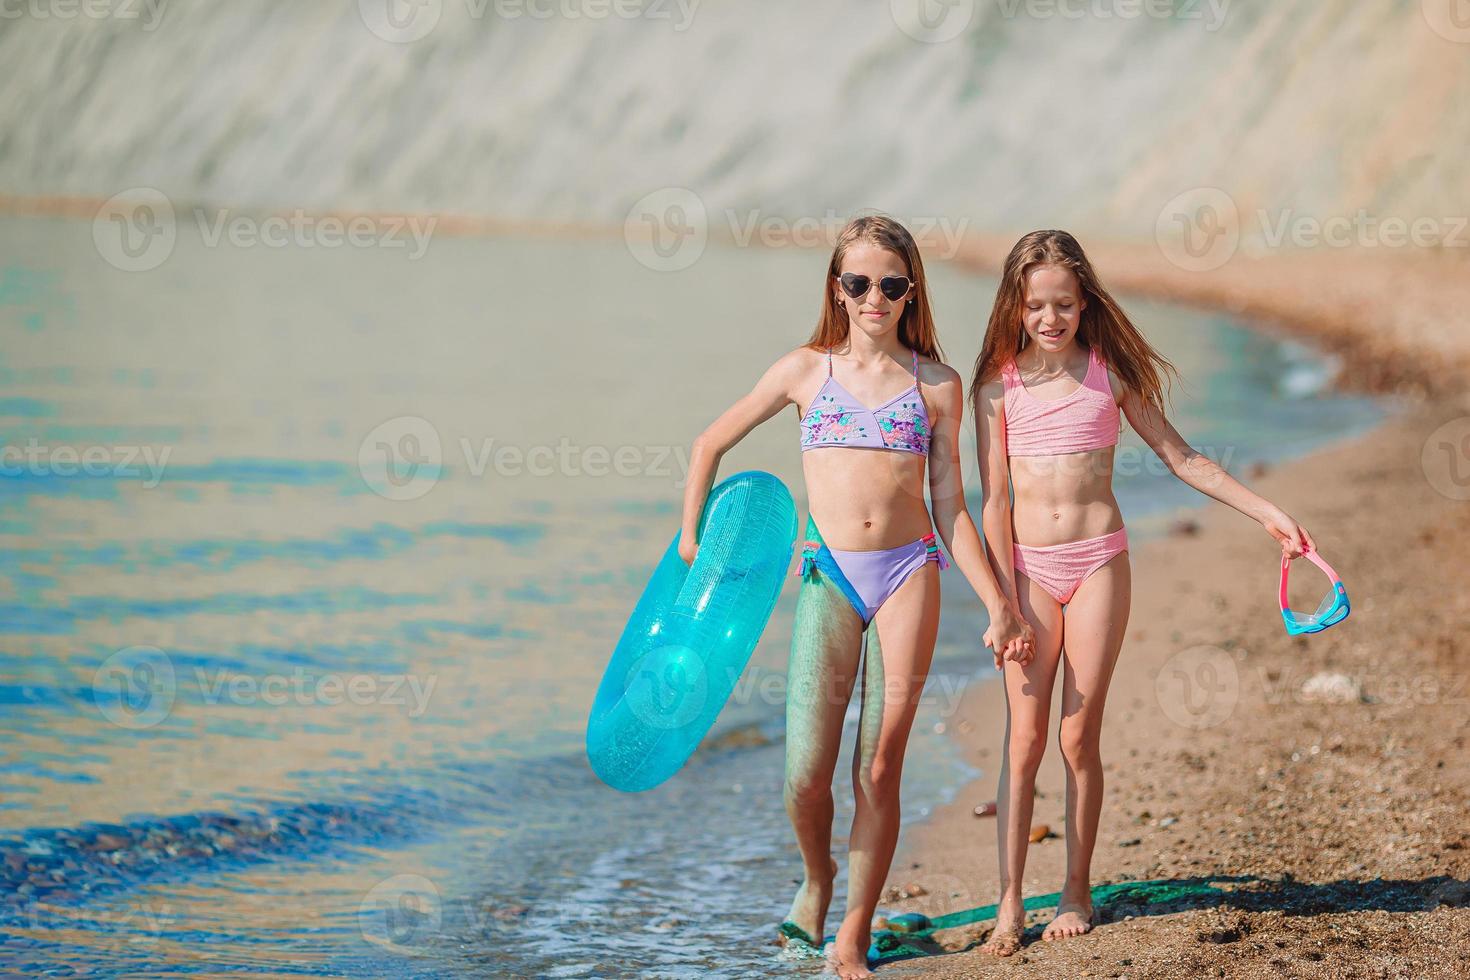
x=867, y=578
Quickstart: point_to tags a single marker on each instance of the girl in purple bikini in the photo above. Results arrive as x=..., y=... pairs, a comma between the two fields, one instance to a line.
x=869, y=558
x=1050, y=437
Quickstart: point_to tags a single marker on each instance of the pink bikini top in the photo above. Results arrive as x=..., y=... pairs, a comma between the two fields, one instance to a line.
x=835, y=418
x=1086, y=419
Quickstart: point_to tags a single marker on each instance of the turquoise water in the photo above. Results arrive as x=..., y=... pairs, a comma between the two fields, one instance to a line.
x=310, y=561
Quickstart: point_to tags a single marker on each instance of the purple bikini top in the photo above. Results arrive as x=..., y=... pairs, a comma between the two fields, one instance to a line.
x=835, y=418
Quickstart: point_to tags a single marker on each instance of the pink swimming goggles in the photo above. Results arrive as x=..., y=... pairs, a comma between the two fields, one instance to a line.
x=1332, y=610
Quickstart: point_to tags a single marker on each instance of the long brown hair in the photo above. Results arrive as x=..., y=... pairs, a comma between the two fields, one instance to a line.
x=1103, y=326
x=915, y=324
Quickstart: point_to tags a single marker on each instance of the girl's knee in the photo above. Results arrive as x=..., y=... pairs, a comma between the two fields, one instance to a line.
x=1025, y=751
x=878, y=781
x=1079, y=746
x=807, y=789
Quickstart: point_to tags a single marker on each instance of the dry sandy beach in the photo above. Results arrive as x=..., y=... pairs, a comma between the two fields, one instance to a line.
x=1340, y=812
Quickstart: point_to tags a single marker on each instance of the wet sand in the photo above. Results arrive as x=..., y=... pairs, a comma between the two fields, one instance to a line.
x=1343, y=820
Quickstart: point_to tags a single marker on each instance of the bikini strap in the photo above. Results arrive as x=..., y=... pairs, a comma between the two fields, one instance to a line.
x=829, y=362
x=1009, y=375
x=916, y=365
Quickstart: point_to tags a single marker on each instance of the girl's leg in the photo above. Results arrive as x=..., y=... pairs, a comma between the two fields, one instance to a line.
x=1095, y=621
x=825, y=646
x=900, y=648
x=1028, y=707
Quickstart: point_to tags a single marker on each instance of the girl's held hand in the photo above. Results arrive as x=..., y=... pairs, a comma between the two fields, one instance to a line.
x=1293, y=538
x=688, y=548
x=1010, y=637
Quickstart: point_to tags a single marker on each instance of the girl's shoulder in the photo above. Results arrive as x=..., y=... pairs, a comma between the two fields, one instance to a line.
x=934, y=372
x=797, y=368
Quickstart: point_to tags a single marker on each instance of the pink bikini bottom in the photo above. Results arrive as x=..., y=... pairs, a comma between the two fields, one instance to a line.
x=1060, y=568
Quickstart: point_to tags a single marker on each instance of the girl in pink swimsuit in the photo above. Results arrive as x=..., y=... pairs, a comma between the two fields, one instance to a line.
x=1059, y=358
x=865, y=470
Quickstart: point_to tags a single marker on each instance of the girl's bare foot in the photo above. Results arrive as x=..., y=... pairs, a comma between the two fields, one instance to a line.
x=808, y=915
x=1010, y=920
x=1073, y=918
x=847, y=956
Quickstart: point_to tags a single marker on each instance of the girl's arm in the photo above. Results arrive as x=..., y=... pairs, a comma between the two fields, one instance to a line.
x=773, y=392
x=995, y=491
x=1009, y=630
x=1210, y=478
x=995, y=480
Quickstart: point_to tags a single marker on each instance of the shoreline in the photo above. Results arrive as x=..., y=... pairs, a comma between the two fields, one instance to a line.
x=1341, y=819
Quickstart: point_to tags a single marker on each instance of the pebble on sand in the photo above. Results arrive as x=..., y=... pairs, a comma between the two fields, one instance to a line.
x=1040, y=833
